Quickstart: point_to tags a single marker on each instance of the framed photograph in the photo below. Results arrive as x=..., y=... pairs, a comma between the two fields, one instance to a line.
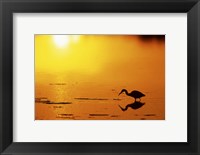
x=81, y=77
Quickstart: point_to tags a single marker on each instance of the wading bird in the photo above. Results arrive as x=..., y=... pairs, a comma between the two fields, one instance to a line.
x=135, y=94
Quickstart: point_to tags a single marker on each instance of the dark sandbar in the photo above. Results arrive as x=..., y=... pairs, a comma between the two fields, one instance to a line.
x=85, y=98
x=99, y=114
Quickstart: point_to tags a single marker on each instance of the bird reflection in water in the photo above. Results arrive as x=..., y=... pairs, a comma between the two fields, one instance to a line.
x=135, y=105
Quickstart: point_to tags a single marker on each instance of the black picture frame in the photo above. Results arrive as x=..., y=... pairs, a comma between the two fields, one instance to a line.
x=8, y=7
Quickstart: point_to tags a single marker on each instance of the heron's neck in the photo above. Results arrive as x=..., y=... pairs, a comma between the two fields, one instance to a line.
x=126, y=92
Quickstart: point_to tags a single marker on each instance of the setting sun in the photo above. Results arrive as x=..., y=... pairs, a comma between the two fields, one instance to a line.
x=64, y=40
x=61, y=40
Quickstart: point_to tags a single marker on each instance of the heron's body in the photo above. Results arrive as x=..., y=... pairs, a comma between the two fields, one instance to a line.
x=135, y=94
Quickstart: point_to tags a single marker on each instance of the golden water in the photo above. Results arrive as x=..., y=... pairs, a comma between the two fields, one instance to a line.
x=87, y=105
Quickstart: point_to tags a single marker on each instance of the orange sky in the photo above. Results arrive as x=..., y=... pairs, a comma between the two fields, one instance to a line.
x=113, y=59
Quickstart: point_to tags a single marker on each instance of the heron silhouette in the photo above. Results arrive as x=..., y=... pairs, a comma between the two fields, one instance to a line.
x=135, y=105
x=135, y=94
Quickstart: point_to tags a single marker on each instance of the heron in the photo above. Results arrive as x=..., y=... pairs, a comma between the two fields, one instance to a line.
x=135, y=94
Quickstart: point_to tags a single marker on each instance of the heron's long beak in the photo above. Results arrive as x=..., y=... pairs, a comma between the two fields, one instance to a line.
x=119, y=93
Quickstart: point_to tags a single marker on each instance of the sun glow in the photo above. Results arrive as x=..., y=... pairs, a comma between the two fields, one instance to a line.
x=61, y=40
x=65, y=40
